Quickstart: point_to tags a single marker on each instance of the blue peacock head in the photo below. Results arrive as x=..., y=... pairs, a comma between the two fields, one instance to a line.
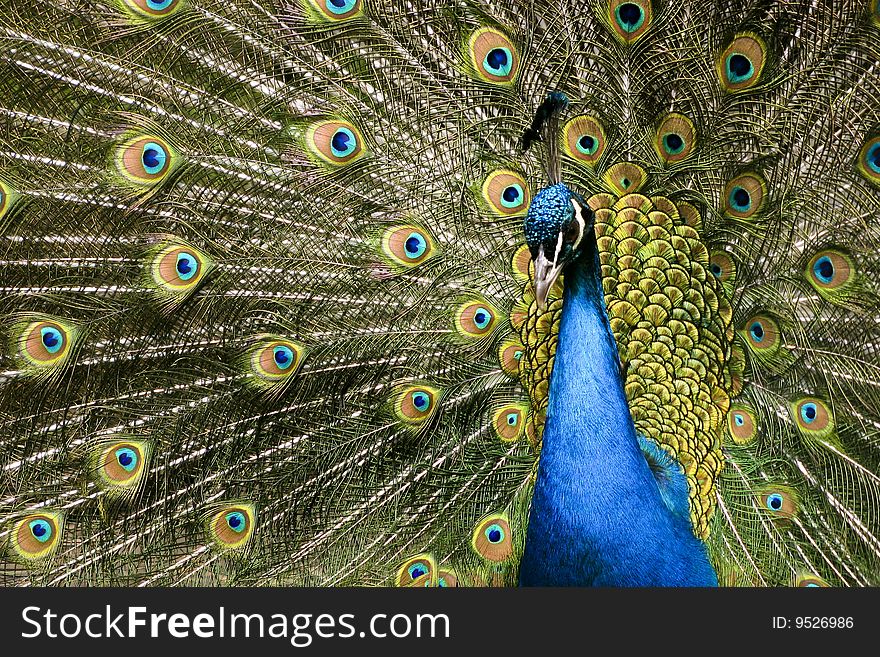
x=555, y=226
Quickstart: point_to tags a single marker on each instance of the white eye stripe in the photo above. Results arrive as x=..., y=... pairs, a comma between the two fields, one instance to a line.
x=558, y=248
x=581, y=224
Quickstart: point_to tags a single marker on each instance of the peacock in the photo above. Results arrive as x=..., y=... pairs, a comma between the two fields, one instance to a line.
x=437, y=293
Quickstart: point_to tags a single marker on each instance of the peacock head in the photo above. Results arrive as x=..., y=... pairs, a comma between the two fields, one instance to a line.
x=555, y=226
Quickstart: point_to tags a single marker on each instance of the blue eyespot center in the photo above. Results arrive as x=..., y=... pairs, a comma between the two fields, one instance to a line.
x=512, y=196
x=343, y=142
x=673, y=143
x=52, y=339
x=498, y=61
x=340, y=6
x=756, y=330
x=517, y=354
x=421, y=401
x=159, y=5
x=716, y=270
x=873, y=157
x=587, y=144
x=236, y=521
x=127, y=458
x=774, y=501
x=482, y=318
x=740, y=199
x=738, y=419
x=494, y=534
x=823, y=268
x=512, y=419
x=417, y=570
x=41, y=530
x=283, y=356
x=415, y=246
x=153, y=158
x=187, y=265
x=630, y=16
x=808, y=412
x=739, y=68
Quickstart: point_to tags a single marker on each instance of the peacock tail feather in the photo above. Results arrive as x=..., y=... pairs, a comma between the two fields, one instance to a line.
x=267, y=316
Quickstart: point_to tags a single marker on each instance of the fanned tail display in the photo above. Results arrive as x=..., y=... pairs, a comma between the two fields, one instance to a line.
x=268, y=314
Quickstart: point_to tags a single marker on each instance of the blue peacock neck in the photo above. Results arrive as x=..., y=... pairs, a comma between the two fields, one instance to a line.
x=597, y=515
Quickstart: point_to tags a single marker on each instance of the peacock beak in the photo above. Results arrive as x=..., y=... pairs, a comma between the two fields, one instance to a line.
x=546, y=273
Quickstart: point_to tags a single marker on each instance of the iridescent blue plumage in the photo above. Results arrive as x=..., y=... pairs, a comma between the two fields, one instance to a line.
x=600, y=514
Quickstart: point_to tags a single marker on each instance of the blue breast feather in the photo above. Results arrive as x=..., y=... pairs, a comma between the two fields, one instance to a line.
x=600, y=515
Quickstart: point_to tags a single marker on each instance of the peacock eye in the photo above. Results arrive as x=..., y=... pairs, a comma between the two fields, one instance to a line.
x=675, y=138
x=495, y=534
x=51, y=338
x=872, y=157
x=417, y=570
x=584, y=139
x=762, y=334
x=740, y=199
x=421, y=401
x=508, y=421
x=674, y=143
x=824, y=269
x=274, y=361
x=236, y=521
x=808, y=412
x=407, y=245
x=757, y=331
x=231, y=527
x=153, y=157
x=152, y=9
x=177, y=270
x=335, y=10
x=45, y=343
x=774, y=502
x=512, y=196
x=144, y=160
x=722, y=267
x=741, y=63
x=498, y=61
x=341, y=6
x=493, y=55
x=742, y=425
x=630, y=18
x=335, y=142
x=283, y=356
x=415, y=245
x=127, y=458
x=343, y=142
x=416, y=404
x=41, y=530
x=744, y=195
x=187, y=265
